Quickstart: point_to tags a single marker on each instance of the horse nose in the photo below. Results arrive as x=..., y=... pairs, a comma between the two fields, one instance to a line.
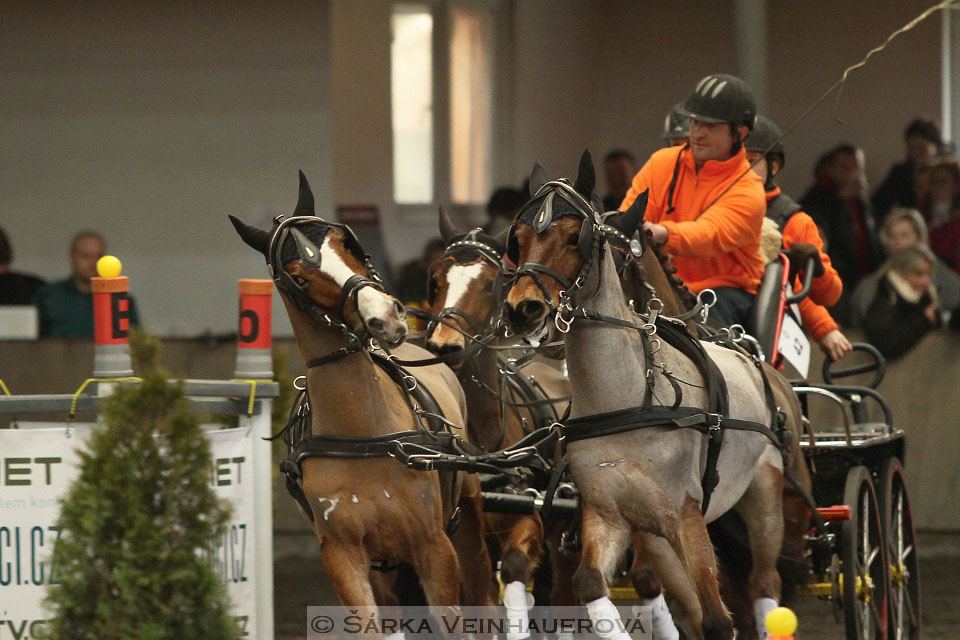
x=526, y=312
x=376, y=324
x=444, y=348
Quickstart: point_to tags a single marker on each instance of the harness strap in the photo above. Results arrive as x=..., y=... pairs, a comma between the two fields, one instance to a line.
x=630, y=419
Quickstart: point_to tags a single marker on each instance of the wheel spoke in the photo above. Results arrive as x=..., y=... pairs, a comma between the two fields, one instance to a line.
x=906, y=553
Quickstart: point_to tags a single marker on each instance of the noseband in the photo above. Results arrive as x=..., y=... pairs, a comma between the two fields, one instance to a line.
x=309, y=253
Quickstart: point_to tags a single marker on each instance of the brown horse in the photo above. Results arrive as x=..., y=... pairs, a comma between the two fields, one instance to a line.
x=644, y=482
x=369, y=509
x=464, y=293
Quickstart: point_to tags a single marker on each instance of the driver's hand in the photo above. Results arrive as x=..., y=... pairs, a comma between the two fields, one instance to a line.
x=656, y=232
x=835, y=345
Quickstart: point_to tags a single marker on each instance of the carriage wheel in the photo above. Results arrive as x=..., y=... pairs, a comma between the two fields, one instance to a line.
x=864, y=560
x=903, y=563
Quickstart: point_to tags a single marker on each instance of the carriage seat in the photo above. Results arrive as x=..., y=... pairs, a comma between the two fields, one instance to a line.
x=766, y=316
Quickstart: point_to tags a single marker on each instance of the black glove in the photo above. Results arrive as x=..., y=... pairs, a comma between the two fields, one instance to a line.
x=799, y=253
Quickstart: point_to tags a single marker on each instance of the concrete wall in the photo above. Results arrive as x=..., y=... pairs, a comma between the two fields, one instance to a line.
x=151, y=122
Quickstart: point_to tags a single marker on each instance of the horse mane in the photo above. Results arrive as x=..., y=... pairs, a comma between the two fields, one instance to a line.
x=687, y=298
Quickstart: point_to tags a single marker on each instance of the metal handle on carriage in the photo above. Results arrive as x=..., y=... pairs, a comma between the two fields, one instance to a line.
x=807, y=281
x=879, y=365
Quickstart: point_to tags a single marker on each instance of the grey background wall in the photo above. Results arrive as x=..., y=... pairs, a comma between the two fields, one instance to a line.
x=152, y=121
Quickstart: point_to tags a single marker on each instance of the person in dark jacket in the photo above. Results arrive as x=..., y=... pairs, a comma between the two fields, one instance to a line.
x=836, y=202
x=15, y=288
x=905, y=307
x=923, y=141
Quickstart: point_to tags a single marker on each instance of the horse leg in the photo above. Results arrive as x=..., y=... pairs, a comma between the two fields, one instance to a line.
x=471, y=548
x=604, y=541
x=649, y=588
x=348, y=567
x=696, y=552
x=521, y=553
x=761, y=508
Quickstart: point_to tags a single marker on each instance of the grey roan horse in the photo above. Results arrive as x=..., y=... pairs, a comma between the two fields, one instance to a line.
x=643, y=483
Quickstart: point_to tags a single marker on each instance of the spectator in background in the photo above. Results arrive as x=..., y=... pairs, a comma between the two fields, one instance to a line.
x=15, y=288
x=940, y=204
x=502, y=208
x=676, y=127
x=65, y=308
x=904, y=307
x=619, y=167
x=904, y=228
x=837, y=203
x=411, y=280
x=923, y=141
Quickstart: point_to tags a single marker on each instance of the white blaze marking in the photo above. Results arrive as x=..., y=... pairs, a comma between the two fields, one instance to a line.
x=371, y=303
x=459, y=278
x=333, y=505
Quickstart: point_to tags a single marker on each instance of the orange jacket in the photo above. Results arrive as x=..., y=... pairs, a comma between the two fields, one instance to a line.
x=720, y=248
x=824, y=290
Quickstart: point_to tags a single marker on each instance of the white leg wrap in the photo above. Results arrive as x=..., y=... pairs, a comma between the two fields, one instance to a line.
x=761, y=608
x=394, y=636
x=663, y=627
x=516, y=603
x=606, y=620
x=565, y=635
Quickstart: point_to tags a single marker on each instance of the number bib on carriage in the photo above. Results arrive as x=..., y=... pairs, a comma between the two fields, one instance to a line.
x=794, y=345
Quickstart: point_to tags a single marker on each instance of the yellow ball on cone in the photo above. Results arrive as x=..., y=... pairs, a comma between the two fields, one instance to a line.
x=109, y=267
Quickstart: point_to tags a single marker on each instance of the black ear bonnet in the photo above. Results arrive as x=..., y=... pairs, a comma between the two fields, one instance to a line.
x=554, y=200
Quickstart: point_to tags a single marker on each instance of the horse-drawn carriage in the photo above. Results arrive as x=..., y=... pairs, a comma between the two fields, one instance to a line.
x=606, y=474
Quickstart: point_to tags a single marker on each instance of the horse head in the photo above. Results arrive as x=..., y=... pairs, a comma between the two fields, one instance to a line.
x=321, y=269
x=556, y=241
x=464, y=287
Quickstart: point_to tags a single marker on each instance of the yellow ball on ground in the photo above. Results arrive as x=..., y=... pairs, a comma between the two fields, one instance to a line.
x=781, y=622
x=109, y=267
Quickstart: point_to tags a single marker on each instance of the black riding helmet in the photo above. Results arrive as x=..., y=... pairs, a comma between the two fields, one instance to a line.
x=676, y=125
x=767, y=138
x=720, y=97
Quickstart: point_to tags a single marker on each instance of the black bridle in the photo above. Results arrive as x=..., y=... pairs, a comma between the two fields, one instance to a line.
x=593, y=234
x=309, y=254
x=456, y=318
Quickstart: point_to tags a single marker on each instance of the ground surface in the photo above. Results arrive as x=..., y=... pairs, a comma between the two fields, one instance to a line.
x=300, y=581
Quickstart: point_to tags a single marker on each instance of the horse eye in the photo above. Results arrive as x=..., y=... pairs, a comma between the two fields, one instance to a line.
x=300, y=281
x=574, y=239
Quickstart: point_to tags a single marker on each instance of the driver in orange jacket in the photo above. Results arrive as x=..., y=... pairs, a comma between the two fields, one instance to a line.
x=704, y=205
x=798, y=227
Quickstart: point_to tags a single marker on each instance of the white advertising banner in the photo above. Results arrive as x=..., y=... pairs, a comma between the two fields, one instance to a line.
x=37, y=465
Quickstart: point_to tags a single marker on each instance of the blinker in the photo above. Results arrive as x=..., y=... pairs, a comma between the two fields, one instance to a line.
x=307, y=250
x=544, y=217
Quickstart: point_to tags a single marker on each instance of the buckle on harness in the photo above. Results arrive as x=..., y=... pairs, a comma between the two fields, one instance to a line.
x=713, y=422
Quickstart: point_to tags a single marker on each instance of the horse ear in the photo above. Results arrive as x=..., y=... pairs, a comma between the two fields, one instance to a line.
x=631, y=219
x=538, y=178
x=305, y=201
x=447, y=230
x=503, y=237
x=586, y=176
x=256, y=238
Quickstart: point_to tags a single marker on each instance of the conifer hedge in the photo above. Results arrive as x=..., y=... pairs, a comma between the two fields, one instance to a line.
x=137, y=525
